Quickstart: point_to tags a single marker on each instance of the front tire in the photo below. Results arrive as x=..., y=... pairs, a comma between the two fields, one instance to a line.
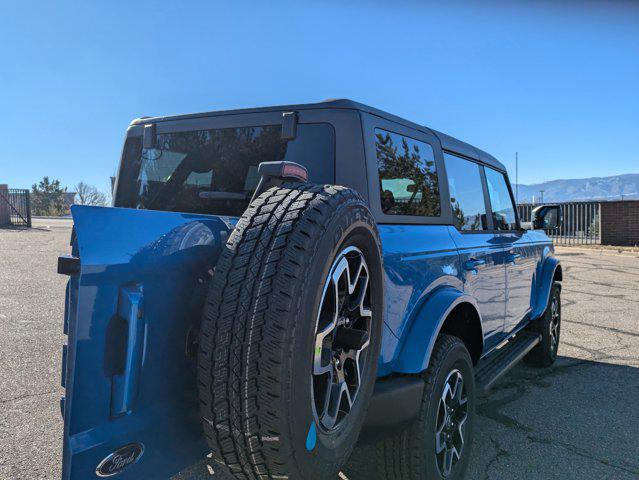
x=291, y=334
x=549, y=326
x=438, y=445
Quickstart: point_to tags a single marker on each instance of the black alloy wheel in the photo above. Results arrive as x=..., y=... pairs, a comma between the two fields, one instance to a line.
x=342, y=335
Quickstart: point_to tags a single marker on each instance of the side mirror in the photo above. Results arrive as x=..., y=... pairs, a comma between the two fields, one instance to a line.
x=547, y=217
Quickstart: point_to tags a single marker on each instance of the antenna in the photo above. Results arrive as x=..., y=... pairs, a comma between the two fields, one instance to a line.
x=517, y=178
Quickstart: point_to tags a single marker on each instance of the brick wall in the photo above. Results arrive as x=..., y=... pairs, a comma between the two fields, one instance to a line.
x=620, y=223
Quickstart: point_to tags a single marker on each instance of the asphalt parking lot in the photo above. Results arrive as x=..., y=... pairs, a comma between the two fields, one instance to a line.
x=577, y=420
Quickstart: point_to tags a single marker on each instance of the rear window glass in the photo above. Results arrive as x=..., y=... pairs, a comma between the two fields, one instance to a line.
x=407, y=175
x=215, y=171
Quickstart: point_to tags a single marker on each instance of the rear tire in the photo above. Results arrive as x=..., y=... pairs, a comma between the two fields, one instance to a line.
x=412, y=455
x=549, y=326
x=258, y=350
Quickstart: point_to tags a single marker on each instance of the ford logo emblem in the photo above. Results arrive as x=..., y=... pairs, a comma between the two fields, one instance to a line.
x=122, y=458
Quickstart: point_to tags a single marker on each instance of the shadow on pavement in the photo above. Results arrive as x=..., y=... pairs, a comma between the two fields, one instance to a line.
x=572, y=420
x=575, y=420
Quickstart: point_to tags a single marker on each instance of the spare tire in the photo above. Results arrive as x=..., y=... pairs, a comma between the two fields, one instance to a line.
x=291, y=334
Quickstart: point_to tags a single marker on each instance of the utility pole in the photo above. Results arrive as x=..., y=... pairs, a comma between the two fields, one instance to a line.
x=541, y=195
x=517, y=178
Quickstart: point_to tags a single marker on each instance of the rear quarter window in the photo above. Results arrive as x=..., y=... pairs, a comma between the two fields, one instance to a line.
x=408, y=181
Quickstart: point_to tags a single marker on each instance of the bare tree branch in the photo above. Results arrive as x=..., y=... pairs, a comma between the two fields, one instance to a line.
x=89, y=195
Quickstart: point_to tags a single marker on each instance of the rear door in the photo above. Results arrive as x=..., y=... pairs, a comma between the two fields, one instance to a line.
x=520, y=253
x=132, y=309
x=481, y=251
x=406, y=187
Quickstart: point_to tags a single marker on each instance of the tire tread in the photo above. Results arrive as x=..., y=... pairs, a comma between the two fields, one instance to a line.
x=245, y=342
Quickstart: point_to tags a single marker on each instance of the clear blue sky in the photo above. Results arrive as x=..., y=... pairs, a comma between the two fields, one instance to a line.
x=558, y=84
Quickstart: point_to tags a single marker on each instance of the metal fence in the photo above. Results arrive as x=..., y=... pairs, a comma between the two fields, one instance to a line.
x=15, y=207
x=581, y=222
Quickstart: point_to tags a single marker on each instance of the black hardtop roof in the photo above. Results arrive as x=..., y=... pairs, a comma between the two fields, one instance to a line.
x=448, y=143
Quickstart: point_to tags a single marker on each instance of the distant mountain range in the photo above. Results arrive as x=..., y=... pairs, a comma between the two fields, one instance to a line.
x=597, y=188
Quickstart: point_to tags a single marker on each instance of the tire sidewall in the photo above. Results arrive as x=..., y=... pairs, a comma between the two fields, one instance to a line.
x=549, y=353
x=351, y=225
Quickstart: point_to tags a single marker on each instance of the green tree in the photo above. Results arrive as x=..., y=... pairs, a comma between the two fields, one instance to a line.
x=47, y=198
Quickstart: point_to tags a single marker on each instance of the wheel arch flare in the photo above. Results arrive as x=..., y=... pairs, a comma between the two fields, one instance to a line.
x=439, y=313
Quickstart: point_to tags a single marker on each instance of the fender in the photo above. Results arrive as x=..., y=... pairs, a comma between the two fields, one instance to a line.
x=546, y=274
x=419, y=340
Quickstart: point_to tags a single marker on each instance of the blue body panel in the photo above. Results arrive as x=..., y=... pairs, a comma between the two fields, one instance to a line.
x=418, y=260
x=520, y=261
x=141, y=279
x=139, y=268
x=545, y=272
x=508, y=287
x=420, y=339
x=486, y=281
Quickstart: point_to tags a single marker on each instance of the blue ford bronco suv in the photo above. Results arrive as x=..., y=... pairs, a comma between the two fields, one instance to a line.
x=295, y=292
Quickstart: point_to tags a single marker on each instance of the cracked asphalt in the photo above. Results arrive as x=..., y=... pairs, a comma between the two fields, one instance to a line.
x=576, y=420
x=579, y=418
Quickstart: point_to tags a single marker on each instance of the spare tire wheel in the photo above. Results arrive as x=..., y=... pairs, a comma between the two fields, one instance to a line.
x=291, y=334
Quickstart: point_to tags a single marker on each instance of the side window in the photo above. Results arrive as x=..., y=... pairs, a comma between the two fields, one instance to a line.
x=466, y=193
x=407, y=175
x=500, y=200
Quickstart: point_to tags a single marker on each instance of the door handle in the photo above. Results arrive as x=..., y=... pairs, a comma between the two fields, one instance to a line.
x=512, y=257
x=124, y=388
x=472, y=264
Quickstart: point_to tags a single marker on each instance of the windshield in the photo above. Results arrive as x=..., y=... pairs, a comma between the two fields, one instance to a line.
x=215, y=171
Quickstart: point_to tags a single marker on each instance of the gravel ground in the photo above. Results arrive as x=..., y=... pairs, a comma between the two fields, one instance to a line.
x=31, y=339
x=576, y=420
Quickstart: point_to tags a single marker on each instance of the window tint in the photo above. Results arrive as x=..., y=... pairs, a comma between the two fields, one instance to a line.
x=500, y=201
x=215, y=171
x=466, y=193
x=407, y=175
